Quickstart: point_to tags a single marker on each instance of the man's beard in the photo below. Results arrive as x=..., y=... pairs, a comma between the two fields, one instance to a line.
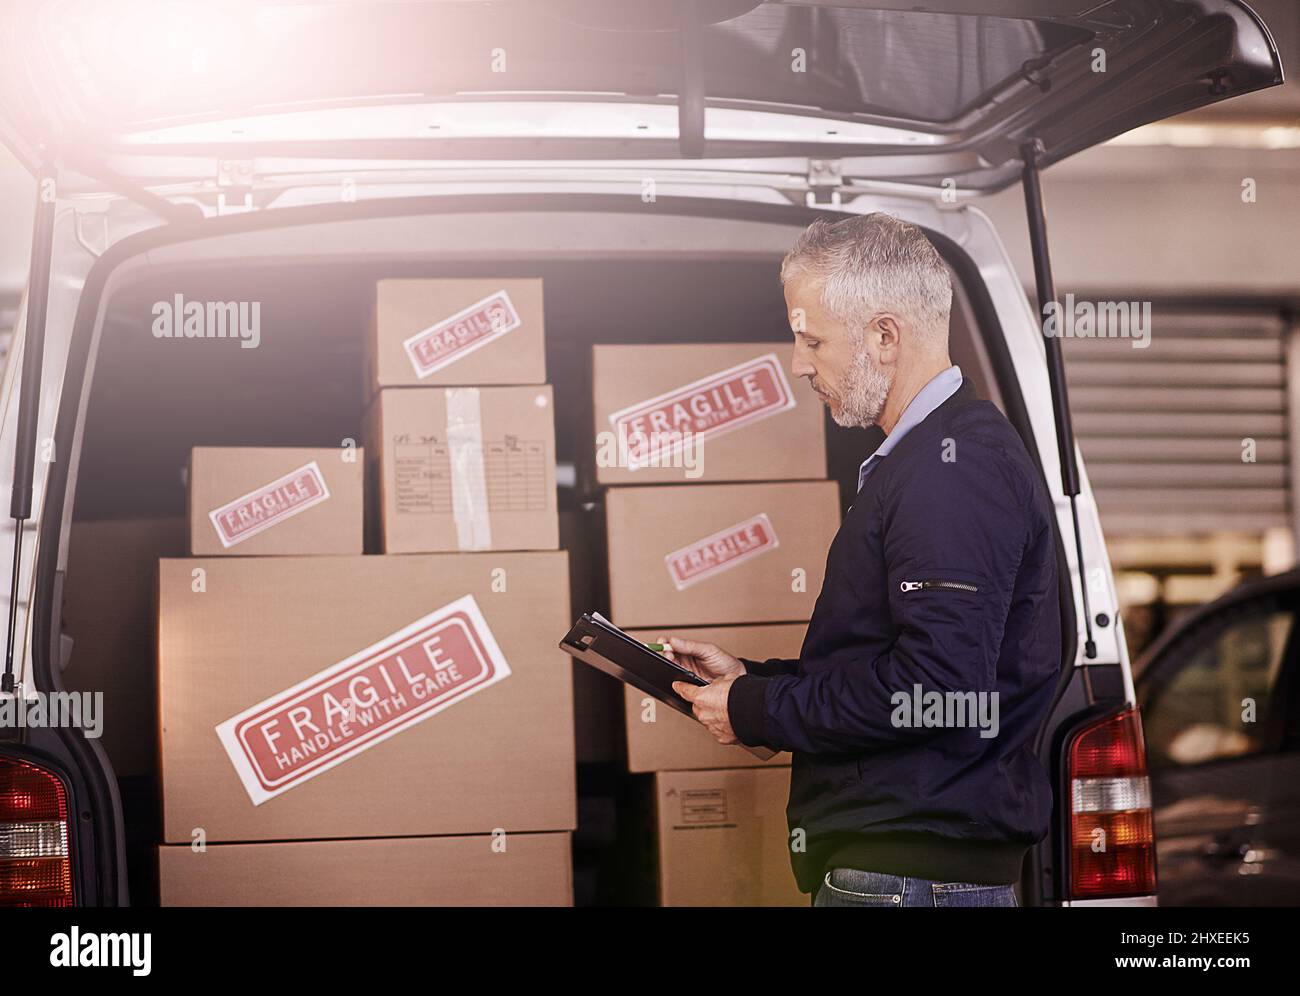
x=866, y=386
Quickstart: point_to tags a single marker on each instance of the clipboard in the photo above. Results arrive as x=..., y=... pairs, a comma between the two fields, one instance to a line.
x=596, y=641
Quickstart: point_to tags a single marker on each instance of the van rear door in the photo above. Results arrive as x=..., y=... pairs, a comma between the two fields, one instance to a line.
x=158, y=94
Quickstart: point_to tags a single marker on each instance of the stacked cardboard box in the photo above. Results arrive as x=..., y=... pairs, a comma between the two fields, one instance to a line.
x=461, y=426
x=347, y=728
x=718, y=520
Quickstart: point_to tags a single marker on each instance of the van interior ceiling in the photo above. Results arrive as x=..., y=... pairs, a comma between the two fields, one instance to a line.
x=302, y=386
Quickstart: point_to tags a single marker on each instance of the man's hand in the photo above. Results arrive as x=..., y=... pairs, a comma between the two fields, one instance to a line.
x=705, y=659
x=709, y=704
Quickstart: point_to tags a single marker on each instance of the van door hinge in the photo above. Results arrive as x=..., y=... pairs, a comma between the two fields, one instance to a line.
x=234, y=186
x=825, y=180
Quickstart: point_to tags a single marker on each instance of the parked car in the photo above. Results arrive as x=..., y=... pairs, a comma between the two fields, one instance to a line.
x=653, y=167
x=1220, y=699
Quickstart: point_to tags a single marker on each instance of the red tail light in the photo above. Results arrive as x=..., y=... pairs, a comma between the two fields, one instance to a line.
x=1112, y=841
x=35, y=860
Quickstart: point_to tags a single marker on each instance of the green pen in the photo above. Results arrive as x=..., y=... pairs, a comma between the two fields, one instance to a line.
x=657, y=646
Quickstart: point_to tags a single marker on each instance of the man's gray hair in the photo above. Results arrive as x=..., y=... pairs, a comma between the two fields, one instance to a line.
x=874, y=263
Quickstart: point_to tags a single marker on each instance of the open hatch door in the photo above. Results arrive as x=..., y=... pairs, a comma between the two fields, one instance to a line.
x=142, y=93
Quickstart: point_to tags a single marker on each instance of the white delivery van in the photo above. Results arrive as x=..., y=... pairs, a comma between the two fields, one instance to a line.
x=651, y=162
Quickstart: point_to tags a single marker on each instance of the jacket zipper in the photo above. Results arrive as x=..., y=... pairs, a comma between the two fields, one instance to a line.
x=950, y=585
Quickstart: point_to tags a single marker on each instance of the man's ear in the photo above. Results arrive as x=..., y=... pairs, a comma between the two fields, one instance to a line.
x=885, y=329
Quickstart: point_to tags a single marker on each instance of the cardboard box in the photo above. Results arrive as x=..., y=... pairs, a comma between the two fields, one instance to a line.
x=461, y=331
x=597, y=697
x=464, y=468
x=718, y=554
x=703, y=412
x=533, y=869
x=323, y=697
x=108, y=601
x=661, y=739
x=252, y=501
x=723, y=839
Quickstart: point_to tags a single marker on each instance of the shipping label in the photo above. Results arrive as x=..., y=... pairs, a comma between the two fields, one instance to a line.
x=363, y=700
x=723, y=402
x=269, y=505
x=722, y=551
x=454, y=338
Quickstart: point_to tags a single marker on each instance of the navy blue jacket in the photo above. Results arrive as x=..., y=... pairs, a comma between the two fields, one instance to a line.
x=940, y=587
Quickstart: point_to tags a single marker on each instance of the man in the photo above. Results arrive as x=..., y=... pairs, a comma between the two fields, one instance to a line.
x=931, y=655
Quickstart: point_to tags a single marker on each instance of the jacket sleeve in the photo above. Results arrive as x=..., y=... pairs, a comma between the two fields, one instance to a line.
x=770, y=667
x=965, y=524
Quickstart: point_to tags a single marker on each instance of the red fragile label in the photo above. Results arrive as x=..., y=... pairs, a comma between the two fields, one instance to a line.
x=363, y=700
x=721, y=551
x=456, y=337
x=269, y=505
x=712, y=406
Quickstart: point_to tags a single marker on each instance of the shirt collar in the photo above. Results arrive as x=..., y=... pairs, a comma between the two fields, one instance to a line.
x=937, y=390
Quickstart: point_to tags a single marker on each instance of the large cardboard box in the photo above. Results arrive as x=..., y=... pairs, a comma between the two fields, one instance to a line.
x=322, y=697
x=511, y=870
x=526, y=869
x=723, y=839
x=718, y=554
x=662, y=739
x=703, y=412
x=456, y=331
x=597, y=697
x=108, y=601
x=253, y=501
x=464, y=468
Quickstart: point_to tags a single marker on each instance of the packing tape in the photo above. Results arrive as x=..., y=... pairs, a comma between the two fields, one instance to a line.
x=469, y=503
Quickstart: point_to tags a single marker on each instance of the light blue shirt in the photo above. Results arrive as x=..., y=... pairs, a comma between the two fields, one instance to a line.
x=939, y=389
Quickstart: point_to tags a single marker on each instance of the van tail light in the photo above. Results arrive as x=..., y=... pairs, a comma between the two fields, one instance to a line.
x=35, y=860
x=1112, y=840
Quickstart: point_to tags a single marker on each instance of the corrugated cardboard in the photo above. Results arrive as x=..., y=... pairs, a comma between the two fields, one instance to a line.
x=108, y=613
x=499, y=758
x=597, y=697
x=757, y=423
x=288, y=520
x=464, y=468
x=525, y=869
x=723, y=839
x=662, y=739
x=470, y=350
x=718, y=554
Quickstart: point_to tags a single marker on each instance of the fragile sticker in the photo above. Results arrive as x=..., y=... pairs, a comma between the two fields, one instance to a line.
x=723, y=402
x=722, y=551
x=363, y=700
x=269, y=505
x=456, y=337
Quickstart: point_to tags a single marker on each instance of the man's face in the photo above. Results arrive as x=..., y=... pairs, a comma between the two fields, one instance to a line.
x=837, y=360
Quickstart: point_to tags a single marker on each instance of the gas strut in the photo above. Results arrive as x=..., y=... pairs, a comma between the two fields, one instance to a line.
x=690, y=100
x=38, y=292
x=1045, y=288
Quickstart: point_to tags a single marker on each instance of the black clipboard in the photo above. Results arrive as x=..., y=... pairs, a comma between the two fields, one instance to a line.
x=596, y=641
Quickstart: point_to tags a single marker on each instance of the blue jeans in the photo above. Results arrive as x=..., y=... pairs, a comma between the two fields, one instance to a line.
x=850, y=887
